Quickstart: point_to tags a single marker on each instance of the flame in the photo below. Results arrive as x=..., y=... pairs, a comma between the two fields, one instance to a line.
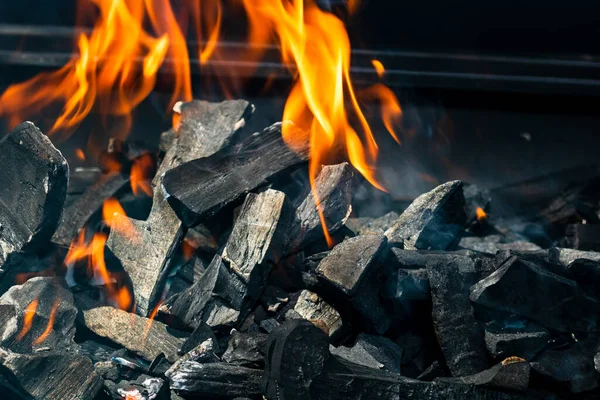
x=50, y=325
x=28, y=318
x=207, y=17
x=481, y=215
x=150, y=319
x=379, y=68
x=187, y=249
x=115, y=217
x=141, y=175
x=80, y=154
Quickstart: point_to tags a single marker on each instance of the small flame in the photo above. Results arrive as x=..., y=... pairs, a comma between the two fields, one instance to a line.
x=187, y=249
x=50, y=325
x=151, y=319
x=116, y=218
x=28, y=318
x=379, y=68
x=80, y=154
x=141, y=175
x=481, y=215
x=391, y=112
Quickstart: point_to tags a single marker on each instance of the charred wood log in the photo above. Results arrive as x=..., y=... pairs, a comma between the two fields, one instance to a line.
x=35, y=177
x=205, y=129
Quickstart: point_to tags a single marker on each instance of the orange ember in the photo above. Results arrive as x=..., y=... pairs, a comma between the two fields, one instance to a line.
x=481, y=215
x=28, y=318
x=48, y=329
x=141, y=175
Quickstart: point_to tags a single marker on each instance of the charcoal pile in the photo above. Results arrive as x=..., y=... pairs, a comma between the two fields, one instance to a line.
x=218, y=281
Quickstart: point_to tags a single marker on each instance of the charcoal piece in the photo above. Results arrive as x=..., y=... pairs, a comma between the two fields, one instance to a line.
x=256, y=241
x=459, y=335
x=97, y=352
x=313, y=308
x=372, y=351
x=583, y=237
x=199, y=188
x=216, y=380
x=143, y=388
x=273, y=298
x=567, y=256
x=205, y=129
x=587, y=275
x=351, y=268
x=475, y=197
x=377, y=226
x=269, y=325
x=40, y=314
x=405, y=285
x=332, y=187
x=524, y=342
x=50, y=375
x=571, y=366
x=107, y=370
x=140, y=335
x=185, y=276
x=296, y=355
x=434, y=221
x=35, y=176
x=523, y=288
x=216, y=299
x=205, y=352
x=493, y=243
x=200, y=335
x=435, y=370
x=512, y=374
x=246, y=349
x=597, y=362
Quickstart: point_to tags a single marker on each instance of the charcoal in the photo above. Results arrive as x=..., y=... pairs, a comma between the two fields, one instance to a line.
x=459, y=335
x=256, y=241
x=269, y=325
x=35, y=176
x=199, y=336
x=567, y=256
x=366, y=225
x=107, y=370
x=522, y=341
x=50, y=375
x=597, y=361
x=523, y=288
x=205, y=129
x=216, y=380
x=434, y=221
x=332, y=187
x=571, y=366
x=246, y=349
x=39, y=314
x=435, y=370
x=140, y=335
x=587, y=274
x=185, y=276
x=97, y=352
x=475, y=197
x=493, y=243
x=583, y=237
x=296, y=355
x=216, y=299
x=313, y=308
x=512, y=373
x=273, y=298
x=351, y=268
x=204, y=353
x=143, y=388
x=405, y=285
x=372, y=351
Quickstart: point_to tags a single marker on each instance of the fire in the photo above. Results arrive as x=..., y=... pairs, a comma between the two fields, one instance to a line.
x=151, y=318
x=379, y=68
x=28, y=318
x=141, y=175
x=481, y=215
x=50, y=324
x=80, y=154
x=114, y=216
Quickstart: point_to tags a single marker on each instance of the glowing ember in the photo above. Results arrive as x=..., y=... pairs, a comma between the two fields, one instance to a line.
x=28, y=318
x=48, y=329
x=481, y=215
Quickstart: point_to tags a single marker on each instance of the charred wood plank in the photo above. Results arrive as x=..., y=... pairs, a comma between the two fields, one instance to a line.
x=205, y=129
x=198, y=189
x=35, y=176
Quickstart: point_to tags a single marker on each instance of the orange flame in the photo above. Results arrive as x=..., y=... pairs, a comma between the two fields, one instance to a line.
x=28, y=318
x=114, y=216
x=379, y=68
x=80, y=154
x=481, y=215
x=141, y=175
x=150, y=319
x=50, y=325
x=391, y=112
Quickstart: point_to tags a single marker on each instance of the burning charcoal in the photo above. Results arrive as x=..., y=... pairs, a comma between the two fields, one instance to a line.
x=143, y=388
x=372, y=351
x=494, y=243
x=205, y=129
x=256, y=241
x=246, y=349
x=50, y=376
x=220, y=380
x=34, y=175
x=199, y=336
x=459, y=335
x=378, y=226
x=36, y=315
x=571, y=366
x=351, y=268
x=583, y=237
x=200, y=188
x=216, y=299
x=140, y=335
x=512, y=373
x=554, y=302
x=522, y=341
x=567, y=256
x=332, y=187
x=434, y=221
x=475, y=198
x=313, y=308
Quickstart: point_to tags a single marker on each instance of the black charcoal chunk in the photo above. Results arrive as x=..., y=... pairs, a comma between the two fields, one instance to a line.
x=459, y=334
x=198, y=336
x=269, y=325
x=40, y=314
x=434, y=221
x=205, y=129
x=523, y=288
x=524, y=341
x=435, y=370
x=273, y=298
x=216, y=299
x=405, y=285
x=199, y=188
x=246, y=349
x=50, y=375
x=512, y=374
x=143, y=388
x=216, y=380
x=493, y=243
x=312, y=307
x=567, y=256
x=366, y=225
x=34, y=176
x=583, y=237
x=372, y=351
